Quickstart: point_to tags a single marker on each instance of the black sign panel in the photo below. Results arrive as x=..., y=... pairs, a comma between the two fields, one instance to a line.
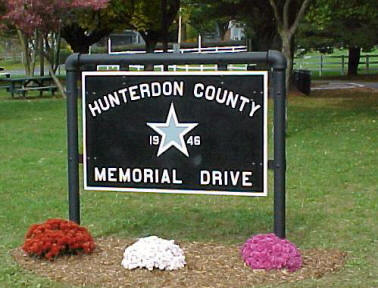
x=172, y=132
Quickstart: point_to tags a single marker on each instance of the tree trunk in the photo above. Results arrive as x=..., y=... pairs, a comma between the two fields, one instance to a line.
x=25, y=47
x=164, y=25
x=41, y=58
x=79, y=47
x=164, y=28
x=150, y=47
x=57, y=53
x=287, y=52
x=55, y=79
x=353, y=60
x=49, y=59
x=223, y=27
x=287, y=24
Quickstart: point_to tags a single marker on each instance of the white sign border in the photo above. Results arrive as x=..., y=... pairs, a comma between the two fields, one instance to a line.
x=175, y=191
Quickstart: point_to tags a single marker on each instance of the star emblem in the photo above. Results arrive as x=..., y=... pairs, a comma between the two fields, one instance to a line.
x=172, y=133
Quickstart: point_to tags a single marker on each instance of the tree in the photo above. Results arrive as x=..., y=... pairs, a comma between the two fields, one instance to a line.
x=151, y=18
x=288, y=14
x=146, y=18
x=80, y=38
x=44, y=18
x=7, y=29
x=206, y=16
x=351, y=24
x=90, y=26
x=257, y=16
x=261, y=25
x=266, y=19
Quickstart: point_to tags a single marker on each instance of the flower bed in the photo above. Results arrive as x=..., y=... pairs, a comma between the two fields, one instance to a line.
x=205, y=268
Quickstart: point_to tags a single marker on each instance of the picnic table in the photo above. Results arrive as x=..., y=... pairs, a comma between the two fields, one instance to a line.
x=3, y=73
x=26, y=84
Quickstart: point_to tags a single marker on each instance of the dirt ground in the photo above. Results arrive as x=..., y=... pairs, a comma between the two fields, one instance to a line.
x=208, y=265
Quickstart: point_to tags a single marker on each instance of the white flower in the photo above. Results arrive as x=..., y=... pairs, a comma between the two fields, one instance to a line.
x=154, y=252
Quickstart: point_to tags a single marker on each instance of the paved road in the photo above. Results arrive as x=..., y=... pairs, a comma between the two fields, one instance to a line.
x=36, y=71
x=336, y=84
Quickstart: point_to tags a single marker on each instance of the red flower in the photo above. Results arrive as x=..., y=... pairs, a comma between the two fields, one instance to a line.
x=56, y=237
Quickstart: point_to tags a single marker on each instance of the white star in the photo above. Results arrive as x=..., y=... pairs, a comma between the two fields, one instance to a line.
x=172, y=132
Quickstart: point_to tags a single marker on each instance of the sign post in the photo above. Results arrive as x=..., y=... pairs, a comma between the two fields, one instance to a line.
x=171, y=132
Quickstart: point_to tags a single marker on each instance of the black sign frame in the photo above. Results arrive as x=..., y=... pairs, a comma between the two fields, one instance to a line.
x=276, y=64
x=247, y=78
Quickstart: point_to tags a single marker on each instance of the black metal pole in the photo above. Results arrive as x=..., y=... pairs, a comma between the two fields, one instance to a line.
x=279, y=152
x=174, y=58
x=72, y=147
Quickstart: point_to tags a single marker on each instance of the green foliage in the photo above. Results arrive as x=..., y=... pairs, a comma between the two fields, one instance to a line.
x=145, y=16
x=205, y=17
x=107, y=18
x=340, y=24
x=256, y=16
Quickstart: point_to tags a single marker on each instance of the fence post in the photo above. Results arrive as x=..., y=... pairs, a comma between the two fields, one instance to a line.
x=199, y=43
x=321, y=65
x=367, y=63
x=342, y=65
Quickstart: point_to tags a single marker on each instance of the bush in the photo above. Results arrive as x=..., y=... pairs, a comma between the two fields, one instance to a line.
x=267, y=251
x=57, y=237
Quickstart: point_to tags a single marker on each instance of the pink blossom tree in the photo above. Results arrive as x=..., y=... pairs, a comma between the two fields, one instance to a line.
x=43, y=19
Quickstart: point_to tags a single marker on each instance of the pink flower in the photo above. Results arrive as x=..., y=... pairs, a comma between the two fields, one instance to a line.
x=267, y=251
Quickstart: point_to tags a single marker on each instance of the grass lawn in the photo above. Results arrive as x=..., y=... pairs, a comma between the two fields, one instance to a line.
x=331, y=188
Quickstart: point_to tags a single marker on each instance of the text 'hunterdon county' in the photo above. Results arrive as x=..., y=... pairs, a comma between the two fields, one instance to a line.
x=150, y=90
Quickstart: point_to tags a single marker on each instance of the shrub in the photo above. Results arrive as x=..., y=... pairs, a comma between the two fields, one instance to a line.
x=57, y=237
x=267, y=251
x=154, y=252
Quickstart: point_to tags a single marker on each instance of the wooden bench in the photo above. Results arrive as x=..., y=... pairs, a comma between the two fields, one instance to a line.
x=24, y=90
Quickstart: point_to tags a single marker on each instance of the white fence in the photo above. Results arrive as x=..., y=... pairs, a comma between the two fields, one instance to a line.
x=329, y=63
x=13, y=58
x=185, y=68
x=227, y=49
x=317, y=64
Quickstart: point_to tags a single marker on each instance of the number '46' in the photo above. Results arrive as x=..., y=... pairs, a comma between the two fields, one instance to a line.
x=194, y=140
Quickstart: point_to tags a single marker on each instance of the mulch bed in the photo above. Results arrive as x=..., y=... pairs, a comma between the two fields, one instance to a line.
x=208, y=265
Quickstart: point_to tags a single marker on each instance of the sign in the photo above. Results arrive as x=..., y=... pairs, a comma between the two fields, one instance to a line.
x=175, y=132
